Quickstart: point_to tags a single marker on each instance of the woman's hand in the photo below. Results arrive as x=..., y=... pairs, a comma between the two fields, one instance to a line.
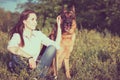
x=32, y=63
x=59, y=20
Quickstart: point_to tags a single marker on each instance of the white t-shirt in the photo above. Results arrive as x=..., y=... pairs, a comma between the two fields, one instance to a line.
x=33, y=44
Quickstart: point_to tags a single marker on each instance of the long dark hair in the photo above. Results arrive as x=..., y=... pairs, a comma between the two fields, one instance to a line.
x=18, y=28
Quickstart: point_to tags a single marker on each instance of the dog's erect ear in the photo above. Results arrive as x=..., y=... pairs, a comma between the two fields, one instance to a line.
x=64, y=9
x=73, y=8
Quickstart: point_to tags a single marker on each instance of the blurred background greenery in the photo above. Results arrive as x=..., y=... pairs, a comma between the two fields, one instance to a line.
x=96, y=54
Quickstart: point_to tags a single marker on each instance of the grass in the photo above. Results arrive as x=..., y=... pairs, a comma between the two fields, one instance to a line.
x=96, y=56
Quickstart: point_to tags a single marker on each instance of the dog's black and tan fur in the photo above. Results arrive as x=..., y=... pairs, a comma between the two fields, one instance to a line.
x=68, y=26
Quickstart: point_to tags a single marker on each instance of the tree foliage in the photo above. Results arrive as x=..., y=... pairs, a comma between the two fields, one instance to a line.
x=90, y=14
x=7, y=19
x=99, y=14
x=47, y=10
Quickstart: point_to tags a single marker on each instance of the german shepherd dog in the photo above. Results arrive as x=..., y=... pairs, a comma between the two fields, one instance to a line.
x=68, y=26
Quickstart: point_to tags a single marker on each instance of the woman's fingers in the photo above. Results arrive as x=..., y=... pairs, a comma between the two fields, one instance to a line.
x=32, y=63
x=59, y=19
x=32, y=66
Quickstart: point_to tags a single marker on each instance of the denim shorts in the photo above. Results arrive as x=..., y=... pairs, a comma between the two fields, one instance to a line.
x=18, y=63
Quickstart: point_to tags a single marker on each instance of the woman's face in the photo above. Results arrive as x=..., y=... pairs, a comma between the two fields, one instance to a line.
x=31, y=21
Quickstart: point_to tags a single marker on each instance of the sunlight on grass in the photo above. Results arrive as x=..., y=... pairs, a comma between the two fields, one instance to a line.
x=96, y=56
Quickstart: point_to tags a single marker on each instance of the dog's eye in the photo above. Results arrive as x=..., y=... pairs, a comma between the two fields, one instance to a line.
x=71, y=17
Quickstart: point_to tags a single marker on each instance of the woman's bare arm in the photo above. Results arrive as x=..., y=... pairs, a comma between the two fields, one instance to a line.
x=58, y=38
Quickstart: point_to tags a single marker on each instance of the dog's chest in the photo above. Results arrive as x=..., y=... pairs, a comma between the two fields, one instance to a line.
x=67, y=39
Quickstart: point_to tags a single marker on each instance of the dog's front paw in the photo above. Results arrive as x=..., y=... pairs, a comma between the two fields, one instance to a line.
x=68, y=75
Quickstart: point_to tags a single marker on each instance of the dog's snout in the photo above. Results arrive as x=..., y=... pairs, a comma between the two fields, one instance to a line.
x=69, y=23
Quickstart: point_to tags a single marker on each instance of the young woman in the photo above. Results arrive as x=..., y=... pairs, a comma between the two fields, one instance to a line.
x=25, y=42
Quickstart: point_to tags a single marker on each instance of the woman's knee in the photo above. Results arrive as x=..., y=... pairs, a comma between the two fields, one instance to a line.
x=51, y=47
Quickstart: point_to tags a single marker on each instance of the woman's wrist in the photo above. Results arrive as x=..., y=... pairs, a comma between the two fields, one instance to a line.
x=30, y=58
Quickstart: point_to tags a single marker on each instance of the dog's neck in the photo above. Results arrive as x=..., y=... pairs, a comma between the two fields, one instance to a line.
x=66, y=33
